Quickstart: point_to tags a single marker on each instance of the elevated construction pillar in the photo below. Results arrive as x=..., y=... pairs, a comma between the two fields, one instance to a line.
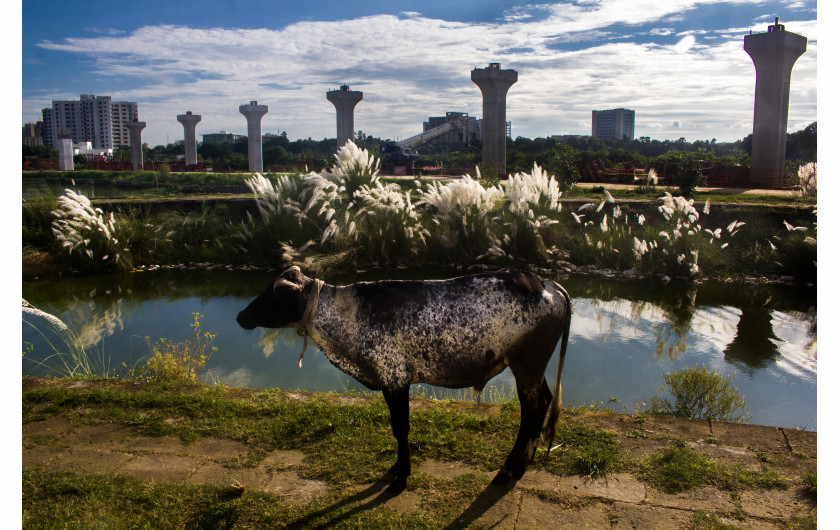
x=65, y=153
x=494, y=84
x=254, y=113
x=189, y=121
x=345, y=101
x=134, y=128
x=773, y=54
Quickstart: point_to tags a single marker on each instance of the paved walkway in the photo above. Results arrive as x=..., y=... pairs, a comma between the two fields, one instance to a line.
x=620, y=500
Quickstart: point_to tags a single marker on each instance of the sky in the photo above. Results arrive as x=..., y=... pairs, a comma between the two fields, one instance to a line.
x=679, y=64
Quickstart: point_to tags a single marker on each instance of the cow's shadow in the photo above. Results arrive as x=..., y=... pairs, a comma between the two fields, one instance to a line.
x=367, y=499
x=377, y=493
x=488, y=498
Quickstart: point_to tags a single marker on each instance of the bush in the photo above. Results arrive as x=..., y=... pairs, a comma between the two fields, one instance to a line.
x=699, y=393
x=487, y=175
x=37, y=221
x=561, y=163
x=688, y=173
x=178, y=362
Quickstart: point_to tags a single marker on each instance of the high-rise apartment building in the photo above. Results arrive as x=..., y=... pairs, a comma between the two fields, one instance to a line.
x=32, y=134
x=615, y=123
x=94, y=119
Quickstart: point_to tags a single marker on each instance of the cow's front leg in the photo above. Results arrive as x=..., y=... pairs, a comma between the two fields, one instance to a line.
x=398, y=406
x=534, y=403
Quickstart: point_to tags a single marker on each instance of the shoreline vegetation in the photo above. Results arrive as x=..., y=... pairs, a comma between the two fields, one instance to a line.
x=348, y=218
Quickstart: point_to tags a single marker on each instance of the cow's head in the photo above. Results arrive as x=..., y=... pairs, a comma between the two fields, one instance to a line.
x=280, y=305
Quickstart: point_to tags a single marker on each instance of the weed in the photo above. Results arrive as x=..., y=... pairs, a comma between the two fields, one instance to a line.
x=807, y=180
x=810, y=482
x=703, y=520
x=699, y=393
x=178, y=362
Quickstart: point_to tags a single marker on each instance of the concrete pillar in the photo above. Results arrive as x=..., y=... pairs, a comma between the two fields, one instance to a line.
x=254, y=113
x=189, y=121
x=345, y=101
x=773, y=54
x=494, y=84
x=65, y=154
x=134, y=128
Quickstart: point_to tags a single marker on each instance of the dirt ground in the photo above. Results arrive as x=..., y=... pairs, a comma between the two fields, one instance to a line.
x=614, y=501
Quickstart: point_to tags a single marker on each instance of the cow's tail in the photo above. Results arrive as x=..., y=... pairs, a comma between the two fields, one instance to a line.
x=557, y=400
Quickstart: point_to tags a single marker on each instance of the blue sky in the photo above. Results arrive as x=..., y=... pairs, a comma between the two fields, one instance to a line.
x=679, y=64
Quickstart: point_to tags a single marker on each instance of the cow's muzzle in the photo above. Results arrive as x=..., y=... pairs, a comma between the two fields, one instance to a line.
x=242, y=320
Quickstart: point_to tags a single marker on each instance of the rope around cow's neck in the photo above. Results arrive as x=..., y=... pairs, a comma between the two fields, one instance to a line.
x=308, y=315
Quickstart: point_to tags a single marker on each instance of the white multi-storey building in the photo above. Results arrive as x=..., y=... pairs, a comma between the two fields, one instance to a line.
x=94, y=119
x=614, y=123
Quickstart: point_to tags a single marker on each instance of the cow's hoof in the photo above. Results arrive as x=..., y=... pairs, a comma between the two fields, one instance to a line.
x=397, y=486
x=506, y=476
x=502, y=478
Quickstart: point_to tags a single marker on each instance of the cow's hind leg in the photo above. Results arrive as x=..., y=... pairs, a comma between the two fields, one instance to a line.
x=534, y=402
x=398, y=406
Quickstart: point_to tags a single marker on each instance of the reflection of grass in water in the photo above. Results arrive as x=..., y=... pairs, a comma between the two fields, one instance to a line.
x=670, y=341
x=70, y=356
x=490, y=394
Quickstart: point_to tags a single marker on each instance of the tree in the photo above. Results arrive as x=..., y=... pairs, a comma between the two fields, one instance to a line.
x=38, y=152
x=561, y=163
x=802, y=145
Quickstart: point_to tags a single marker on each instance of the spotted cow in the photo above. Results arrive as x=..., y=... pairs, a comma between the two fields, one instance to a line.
x=453, y=333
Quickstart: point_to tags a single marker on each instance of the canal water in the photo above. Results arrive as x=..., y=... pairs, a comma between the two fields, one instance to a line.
x=624, y=336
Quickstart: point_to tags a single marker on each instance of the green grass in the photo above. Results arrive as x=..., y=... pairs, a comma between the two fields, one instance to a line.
x=679, y=468
x=71, y=500
x=585, y=451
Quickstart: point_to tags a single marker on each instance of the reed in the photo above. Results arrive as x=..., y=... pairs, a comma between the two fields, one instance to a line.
x=68, y=354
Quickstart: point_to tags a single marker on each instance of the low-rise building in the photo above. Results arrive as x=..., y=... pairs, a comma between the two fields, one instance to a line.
x=222, y=137
x=470, y=130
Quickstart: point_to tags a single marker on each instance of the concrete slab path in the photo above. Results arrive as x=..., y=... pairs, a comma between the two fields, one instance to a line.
x=538, y=500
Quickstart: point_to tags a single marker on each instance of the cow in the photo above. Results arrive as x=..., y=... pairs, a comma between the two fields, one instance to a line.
x=454, y=333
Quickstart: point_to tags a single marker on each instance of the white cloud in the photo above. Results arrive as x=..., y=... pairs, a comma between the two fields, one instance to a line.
x=684, y=44
x=415, y=67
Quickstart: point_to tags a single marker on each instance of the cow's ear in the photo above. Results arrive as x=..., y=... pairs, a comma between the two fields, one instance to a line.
x=291, y=278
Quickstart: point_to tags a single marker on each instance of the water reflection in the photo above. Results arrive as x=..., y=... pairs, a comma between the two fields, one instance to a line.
x=755, y=344
x=624, y=334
